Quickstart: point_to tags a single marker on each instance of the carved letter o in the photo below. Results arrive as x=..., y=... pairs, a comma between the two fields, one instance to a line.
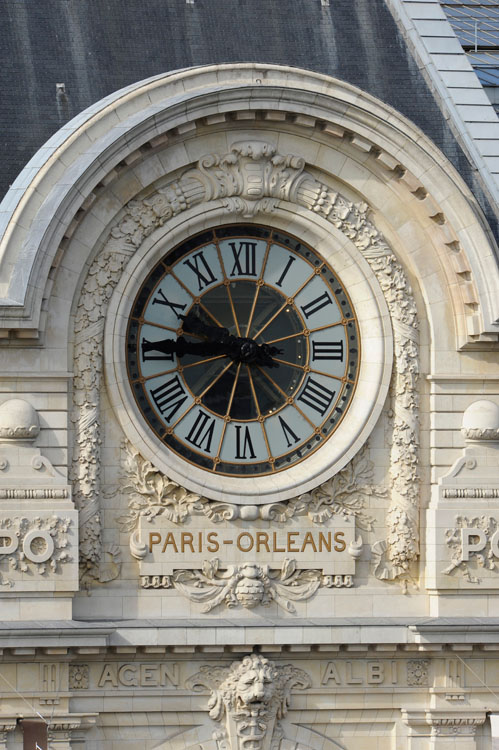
x=6, y=549
x=28, y=541
x=494, y=543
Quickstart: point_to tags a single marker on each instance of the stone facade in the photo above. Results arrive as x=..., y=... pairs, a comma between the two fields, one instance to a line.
x=348, y=601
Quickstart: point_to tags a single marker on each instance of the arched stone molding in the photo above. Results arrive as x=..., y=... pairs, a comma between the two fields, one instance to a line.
x=64, y=180
x=201, y=197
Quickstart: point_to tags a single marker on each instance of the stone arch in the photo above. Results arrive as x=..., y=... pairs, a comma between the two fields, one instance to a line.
x=359, y=165
x=222, y=179
x=64, y=180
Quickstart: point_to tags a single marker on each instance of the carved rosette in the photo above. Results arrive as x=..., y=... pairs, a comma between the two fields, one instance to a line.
x=248, y=699
x=252, y=178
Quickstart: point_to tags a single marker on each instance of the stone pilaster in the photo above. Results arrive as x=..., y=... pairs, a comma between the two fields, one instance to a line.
x=61, y=729
x=443, y=730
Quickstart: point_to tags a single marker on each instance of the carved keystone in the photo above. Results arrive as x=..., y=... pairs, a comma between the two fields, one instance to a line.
x=248, y=699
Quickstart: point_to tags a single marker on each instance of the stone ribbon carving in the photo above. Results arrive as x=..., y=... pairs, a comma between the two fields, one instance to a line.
x=247, y=585
x=248, y=699
x=251, y=178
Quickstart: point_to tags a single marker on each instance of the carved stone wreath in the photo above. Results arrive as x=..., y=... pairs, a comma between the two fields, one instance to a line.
x=233, y=179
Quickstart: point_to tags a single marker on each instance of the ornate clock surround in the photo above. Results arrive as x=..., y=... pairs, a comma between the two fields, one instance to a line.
x=374, y=372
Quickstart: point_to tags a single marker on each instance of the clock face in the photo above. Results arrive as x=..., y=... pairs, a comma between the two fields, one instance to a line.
x=242, y=351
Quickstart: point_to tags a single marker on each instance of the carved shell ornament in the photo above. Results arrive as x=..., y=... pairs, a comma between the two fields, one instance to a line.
x=226, y=177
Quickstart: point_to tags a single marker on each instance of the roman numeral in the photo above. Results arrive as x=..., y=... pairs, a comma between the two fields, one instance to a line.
x=288, y=432
x=158, y=347
x=169, y=397
x=174, y=306
x=316, y=395
x=244, y=259
x=246, y=443
x=316, y=304
x=202, y=432
x=327, y=350
x=194, y=264
x=283, y=274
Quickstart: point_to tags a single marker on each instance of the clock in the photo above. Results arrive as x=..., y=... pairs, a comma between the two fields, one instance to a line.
x=242, y=351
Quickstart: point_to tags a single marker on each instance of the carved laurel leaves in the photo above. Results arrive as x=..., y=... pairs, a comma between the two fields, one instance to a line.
x=252, y=171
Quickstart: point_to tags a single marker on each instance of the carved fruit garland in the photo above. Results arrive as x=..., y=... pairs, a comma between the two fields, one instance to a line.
x=154, y=494
x=231, y=179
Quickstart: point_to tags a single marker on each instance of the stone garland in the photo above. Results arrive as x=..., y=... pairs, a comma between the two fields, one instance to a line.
x=231, y=178
x=153, y=494
x=247, y=585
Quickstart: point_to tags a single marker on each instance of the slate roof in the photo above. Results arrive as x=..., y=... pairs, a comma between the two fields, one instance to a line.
x=98, y=46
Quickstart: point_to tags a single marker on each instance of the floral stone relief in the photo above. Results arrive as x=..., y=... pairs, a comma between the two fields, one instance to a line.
x=153, y=495
x=227, y=178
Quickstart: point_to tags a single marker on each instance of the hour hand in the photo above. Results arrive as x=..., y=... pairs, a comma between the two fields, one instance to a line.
x=192, y=324
x=181, y=347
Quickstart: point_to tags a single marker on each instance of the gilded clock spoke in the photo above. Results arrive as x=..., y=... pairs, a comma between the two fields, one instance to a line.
x=145, y=321
x=289, y=400
x=258, y=285
x=306, y=368
x=259, y=333
x=196, y=299
x=226, y=282
x=309, y=330
x=334, y=377
x=227, y=414
x=261, y=418
x=270, y=320
x=217, y=377
x=198, y=398
x=204, y=361
x=233, y=310
x=145, y=378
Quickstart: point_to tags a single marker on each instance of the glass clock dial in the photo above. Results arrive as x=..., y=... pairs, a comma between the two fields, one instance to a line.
x=242, y=350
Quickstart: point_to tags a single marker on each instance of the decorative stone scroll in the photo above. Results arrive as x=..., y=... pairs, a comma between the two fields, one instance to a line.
x=248, y=699
x=252, y=177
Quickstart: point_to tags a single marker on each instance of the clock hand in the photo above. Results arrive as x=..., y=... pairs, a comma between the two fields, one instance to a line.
x=219, y=343
x=192, y=324
x=241, y=349
x=181, y=347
